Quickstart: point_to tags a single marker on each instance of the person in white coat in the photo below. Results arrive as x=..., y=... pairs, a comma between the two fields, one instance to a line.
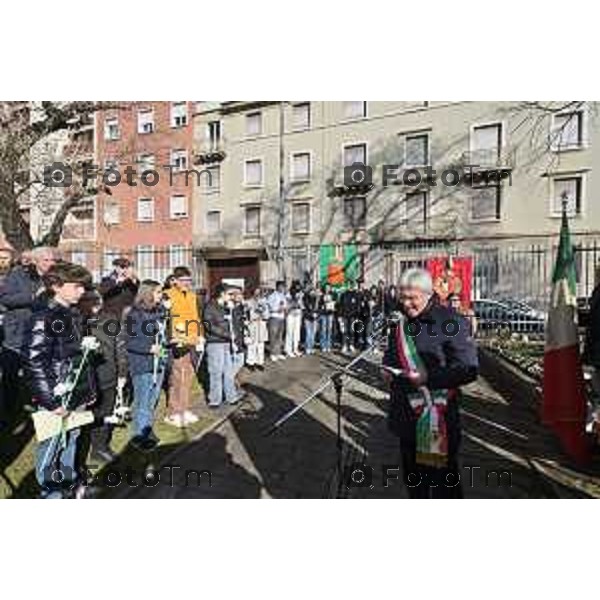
x=257, y=315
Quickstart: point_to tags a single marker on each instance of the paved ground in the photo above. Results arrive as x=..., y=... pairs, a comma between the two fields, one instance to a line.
x=299, y=460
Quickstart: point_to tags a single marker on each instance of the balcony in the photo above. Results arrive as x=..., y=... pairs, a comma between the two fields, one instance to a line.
x=209, y=154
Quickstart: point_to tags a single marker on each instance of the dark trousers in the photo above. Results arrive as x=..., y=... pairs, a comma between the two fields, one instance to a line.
x=100, y=432
x=430, y=482
x=13, y=393
x=276, y=328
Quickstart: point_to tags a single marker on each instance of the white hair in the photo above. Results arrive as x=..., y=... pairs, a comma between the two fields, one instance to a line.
x=41, y=251
x=419, y=279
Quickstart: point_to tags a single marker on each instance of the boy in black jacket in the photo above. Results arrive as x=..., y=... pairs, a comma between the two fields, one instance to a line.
x=110, y=368
x=51, y=351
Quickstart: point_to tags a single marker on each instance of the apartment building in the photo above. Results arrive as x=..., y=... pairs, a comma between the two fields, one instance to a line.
x=276, y=192
x=146, y=215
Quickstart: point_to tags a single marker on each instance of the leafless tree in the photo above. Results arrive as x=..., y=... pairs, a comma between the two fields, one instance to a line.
x=25, y=130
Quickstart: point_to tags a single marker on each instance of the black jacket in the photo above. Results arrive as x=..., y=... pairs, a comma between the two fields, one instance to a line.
x=390, y=304
x=110, y=362
x=450, y=360
x=19, y=297
x=311, y=306
x=349, y=306
x=592, y=341
x=217, y=326
x=48, y=356
x=117, y=295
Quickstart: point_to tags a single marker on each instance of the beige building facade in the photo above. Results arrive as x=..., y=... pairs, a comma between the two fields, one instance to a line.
x=273, y=188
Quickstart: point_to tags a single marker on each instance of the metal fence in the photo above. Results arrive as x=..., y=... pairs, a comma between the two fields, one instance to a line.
x=502, y=270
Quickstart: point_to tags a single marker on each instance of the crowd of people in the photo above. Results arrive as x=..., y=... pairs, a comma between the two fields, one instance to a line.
x=112, y=348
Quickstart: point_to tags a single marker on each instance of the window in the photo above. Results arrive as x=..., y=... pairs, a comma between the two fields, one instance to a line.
x=301, y=116
x=213, y=221
x=213, y=135
x=177, y=255
x=211, y=179
x=299, y=264
x=571, y=187
x=485, y=203
x=80, y=222
x=355, y=108
x=252, y=221
x=145, y=120
x=145, y=209
x=355, y=212
x=486, y=143
x=146, y=162
x=111, y=164
x=179, y=114
x=301, y=166
x=253, y=172
x=301, y=217
x=109, y=256
x=567, y=131
x=254, y=123
x=145, y=261
x=416, y=150
x=416, y=209
x=112, y=212
x=111, y=129
x=355, y=153
x=178, y=208
x=179, y=160
x=79, y=257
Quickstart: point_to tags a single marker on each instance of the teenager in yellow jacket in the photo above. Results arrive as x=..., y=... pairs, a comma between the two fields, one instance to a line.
x=186, y=333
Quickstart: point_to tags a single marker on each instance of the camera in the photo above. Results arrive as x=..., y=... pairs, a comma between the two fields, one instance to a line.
x=358, y=174
x=358, y=475
x=58, y=175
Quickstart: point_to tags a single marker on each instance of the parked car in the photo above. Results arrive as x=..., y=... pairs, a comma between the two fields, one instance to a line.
x=492, y=314
x=526, y=308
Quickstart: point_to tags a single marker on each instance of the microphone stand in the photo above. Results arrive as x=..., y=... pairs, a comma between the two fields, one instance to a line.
x=336, y=379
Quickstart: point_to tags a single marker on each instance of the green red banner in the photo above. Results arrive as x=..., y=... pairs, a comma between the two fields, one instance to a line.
x=338, y=264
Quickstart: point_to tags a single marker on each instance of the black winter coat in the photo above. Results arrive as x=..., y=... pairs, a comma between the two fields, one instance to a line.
x=48, y=356
x=110, y=362
x=19, y=297
x=450, y=360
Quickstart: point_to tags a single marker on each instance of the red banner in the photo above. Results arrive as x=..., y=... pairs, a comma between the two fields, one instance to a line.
x=452, y=275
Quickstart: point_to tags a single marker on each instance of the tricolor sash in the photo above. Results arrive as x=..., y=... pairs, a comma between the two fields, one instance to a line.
x=429, y=406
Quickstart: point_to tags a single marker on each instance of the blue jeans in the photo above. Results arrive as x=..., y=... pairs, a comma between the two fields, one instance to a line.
x=310, y=329
x=221, y=371
x=55, y=467
x=326, y=327
x=145, y=398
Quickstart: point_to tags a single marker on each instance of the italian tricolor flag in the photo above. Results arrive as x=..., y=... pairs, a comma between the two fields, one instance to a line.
x=564, y=405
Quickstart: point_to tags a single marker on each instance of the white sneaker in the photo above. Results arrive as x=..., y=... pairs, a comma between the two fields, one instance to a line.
x=175, y=420
x=281, y=357
x=274, y=358
x=189, y=418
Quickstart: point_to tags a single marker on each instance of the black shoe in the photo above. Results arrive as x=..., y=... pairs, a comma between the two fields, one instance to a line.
x=260, y=367
x=102, y=455
x=251, y=367
x=143, y=444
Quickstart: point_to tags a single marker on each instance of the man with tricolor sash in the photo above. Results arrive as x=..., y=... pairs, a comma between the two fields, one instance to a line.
x=430, y=355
